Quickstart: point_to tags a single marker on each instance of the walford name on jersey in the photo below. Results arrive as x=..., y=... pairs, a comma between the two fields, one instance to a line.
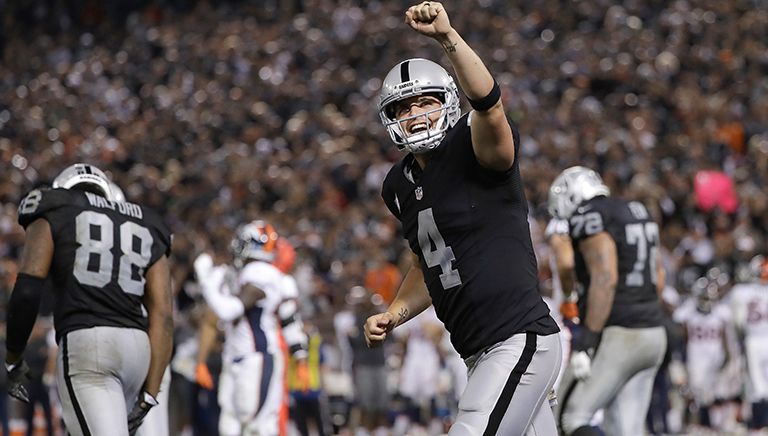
x=129, y=209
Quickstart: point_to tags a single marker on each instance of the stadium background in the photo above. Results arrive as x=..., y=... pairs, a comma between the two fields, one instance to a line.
x=215, y=112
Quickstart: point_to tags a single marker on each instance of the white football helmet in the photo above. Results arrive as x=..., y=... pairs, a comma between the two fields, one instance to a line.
x=256, y=240
x=418, y=77
x=706, y=293
x=85, y=174
x=572, y=187
x=117, y=192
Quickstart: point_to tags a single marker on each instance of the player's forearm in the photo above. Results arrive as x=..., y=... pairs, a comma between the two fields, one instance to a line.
x=161, y=344
x=661, y=278
x=23, y=306
x=567, y=280
x=158, y=300
x=412, y=297
x=207, y=336
x=473, y=76
x=226, y=307
x=293, y=328
x=599, y=302
x=600, y=257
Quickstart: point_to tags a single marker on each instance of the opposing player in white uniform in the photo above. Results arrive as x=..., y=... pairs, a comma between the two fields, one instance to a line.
x=251, y=385
x=707, y=324
x=749, y=302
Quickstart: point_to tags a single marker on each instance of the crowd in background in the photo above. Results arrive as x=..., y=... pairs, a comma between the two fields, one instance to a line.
x=218, y=112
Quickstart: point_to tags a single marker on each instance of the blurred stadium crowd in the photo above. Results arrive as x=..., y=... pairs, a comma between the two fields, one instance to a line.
x=218, y=112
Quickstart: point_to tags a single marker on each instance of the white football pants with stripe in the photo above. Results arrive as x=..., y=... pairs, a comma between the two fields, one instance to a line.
x=508, y=388
x=621, y=381
x=100, y=371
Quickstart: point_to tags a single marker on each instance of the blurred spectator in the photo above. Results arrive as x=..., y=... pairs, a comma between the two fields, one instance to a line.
x=369, y=372
x=40, y=358
x=308, y=403
x=382, y=277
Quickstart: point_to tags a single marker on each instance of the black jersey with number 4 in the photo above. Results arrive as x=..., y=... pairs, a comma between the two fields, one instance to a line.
x=102, y=250
x=469, y=226
x=636, y=235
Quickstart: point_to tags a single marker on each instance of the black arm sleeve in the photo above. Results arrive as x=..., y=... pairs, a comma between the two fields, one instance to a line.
x=22, y=311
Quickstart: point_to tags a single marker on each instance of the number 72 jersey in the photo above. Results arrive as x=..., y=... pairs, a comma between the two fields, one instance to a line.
x=636, y=236
x=102, y=250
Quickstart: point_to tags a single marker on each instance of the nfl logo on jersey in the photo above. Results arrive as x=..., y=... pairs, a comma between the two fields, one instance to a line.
x=419, y=193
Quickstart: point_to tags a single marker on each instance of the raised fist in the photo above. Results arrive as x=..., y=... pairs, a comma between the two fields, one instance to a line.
x=428, y=18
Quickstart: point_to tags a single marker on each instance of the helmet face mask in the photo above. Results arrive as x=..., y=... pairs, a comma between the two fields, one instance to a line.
x=256, y=240
x=417, y=77
x=572, y=187
x=85, y=174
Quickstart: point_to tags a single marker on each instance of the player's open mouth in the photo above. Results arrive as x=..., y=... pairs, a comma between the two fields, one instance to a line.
x=418, y=127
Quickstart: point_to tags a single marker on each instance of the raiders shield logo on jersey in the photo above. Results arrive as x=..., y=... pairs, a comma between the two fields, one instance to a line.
x=419, y=193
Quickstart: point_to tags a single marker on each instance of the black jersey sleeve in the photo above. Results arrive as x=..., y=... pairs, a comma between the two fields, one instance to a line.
x=587, y=221
x=161, y=235
x=388, y=193
x=38, y=203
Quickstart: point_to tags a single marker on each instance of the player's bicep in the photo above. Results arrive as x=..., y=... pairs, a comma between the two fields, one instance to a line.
x=599, y=252
x=38, y=249
x=563, y=251
x=158, y=295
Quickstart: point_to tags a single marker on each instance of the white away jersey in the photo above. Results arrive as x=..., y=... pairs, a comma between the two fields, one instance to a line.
x=258, y=329
x=706, y=331
x=749, y=302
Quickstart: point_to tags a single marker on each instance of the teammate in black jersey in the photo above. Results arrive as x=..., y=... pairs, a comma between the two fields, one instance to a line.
x=621, y=342
x=459, y=198
x=108, y=263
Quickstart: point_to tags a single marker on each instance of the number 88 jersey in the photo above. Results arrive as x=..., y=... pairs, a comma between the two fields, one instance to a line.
x=102, y=250
x=636, y=236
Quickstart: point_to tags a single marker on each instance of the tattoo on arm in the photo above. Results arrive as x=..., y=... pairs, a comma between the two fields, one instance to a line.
x=449, y=46
x=402, y=315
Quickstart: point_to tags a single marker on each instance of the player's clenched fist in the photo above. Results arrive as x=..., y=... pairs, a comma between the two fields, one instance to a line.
x=428, y=18
x=376, y=328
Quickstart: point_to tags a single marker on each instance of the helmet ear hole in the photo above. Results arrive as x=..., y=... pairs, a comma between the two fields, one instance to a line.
x=390, y=110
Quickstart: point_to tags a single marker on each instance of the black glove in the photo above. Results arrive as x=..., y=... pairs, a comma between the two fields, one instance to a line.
x=17, y=374
x=140, y=410
x=583, y=350
x=587, y=341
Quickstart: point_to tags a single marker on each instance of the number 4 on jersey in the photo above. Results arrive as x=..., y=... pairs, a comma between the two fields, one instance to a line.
x=442, y=255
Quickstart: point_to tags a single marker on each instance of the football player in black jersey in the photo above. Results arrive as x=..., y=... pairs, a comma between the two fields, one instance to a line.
x=621, y=342
x=108, y=263
x=459, y=197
